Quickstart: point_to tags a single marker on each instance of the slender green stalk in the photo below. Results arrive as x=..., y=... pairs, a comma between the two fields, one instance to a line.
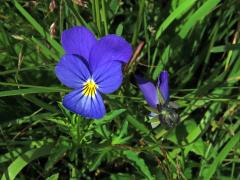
x=104, y=17
x=98, y=16
x=139, y=22
x=93, y=11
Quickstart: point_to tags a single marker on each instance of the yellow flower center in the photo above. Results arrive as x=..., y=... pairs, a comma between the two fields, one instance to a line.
x=89, y=88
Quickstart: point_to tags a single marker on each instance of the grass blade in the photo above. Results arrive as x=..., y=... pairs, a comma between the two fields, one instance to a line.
x=203, y=11
x=221, y=156
x=183, y=8
x=23, y=160
x=29, y=91
x=139, y=163
x=39, y=28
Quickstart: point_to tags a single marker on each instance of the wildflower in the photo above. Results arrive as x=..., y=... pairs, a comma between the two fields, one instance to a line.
x=158, y=98
x=91, y=67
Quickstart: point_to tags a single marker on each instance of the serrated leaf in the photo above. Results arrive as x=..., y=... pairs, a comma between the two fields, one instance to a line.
x=98, y=160
x=109, y=117
x=119, y=140
x=139, y=163
x=138, y=125
x=58, y=152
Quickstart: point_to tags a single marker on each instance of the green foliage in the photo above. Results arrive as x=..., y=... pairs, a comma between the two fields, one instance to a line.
x=138, y=163
x=198, y=42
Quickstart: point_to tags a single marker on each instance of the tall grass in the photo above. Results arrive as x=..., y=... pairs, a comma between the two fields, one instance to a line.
x=196, y=41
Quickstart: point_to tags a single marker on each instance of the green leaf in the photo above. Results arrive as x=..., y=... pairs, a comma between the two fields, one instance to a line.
x=124, y=129
x=46, y=51
x=97, y=161
x=31, y=91
x=138, y=22
x=138, y=163
x=203, y=11
x=182, y=131
x=120, y=140
x=164, y=59
x=183, y=8
x=109, y=116
x=122, y=137
x=9, y=156
x=40, y=103
x=24, y=159
x=119, y=29
x=39, y=28
x=138, y=125
x=104, y=16
x=98, y=17
x=221, y=156
x=198, y=147
x=58, y=152
x=53, y=177
x=151, y=109
x=122, y=176
x=210, y=114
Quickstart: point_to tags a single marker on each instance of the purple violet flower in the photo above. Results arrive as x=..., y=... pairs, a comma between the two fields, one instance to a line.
x=149, y=90
x=163, y=110
x=91, y=67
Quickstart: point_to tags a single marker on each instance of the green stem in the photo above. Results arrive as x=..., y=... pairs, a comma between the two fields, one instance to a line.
x=98, y=17
x=139, y=22
x=104, y=17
